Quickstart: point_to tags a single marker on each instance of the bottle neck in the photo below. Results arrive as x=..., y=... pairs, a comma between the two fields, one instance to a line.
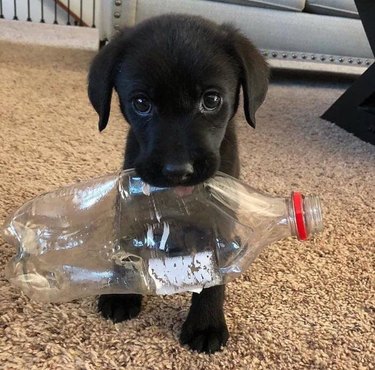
x=305, y=215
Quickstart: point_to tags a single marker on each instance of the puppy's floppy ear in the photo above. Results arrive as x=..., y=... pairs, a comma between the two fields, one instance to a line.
x=254, y=73
x=101, y=78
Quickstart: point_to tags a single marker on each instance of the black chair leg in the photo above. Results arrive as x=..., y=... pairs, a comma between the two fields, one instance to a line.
x=354, y=111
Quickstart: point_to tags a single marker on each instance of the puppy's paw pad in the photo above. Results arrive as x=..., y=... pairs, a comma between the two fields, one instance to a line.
x=209, y=340
x=118, y=307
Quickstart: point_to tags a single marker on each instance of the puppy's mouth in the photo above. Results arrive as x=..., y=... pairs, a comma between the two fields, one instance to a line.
x=183, y=191
x=163, y=182
x=183, y=187
x=152, y=173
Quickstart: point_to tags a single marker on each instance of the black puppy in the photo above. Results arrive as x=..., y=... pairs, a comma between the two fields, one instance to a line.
x=178, y=79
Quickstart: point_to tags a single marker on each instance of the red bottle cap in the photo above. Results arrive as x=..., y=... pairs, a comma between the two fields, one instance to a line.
x=297, y=199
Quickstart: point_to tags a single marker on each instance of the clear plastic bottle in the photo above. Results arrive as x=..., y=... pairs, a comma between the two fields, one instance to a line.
x=116, y=234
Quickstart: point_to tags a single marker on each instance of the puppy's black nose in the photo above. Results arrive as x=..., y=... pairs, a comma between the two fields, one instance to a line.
x=178, y=172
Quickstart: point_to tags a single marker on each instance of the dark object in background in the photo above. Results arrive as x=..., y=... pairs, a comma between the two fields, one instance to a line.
x=355, y=109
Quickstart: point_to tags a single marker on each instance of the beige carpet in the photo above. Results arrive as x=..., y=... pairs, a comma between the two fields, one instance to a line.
x=301, y=306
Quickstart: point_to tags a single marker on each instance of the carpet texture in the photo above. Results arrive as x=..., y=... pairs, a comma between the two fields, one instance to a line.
x=300, y=306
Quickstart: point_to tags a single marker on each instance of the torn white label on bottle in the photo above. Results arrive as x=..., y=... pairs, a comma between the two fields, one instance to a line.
x=184, y=273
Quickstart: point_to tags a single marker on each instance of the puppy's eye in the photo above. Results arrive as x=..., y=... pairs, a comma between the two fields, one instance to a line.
x=211, y=101
x=142, y=104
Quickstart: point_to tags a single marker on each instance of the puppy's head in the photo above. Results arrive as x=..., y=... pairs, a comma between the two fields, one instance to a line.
x=178, y=80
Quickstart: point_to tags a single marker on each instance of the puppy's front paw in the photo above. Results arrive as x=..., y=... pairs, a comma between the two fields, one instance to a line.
x=206, y=338
x=119, y=307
